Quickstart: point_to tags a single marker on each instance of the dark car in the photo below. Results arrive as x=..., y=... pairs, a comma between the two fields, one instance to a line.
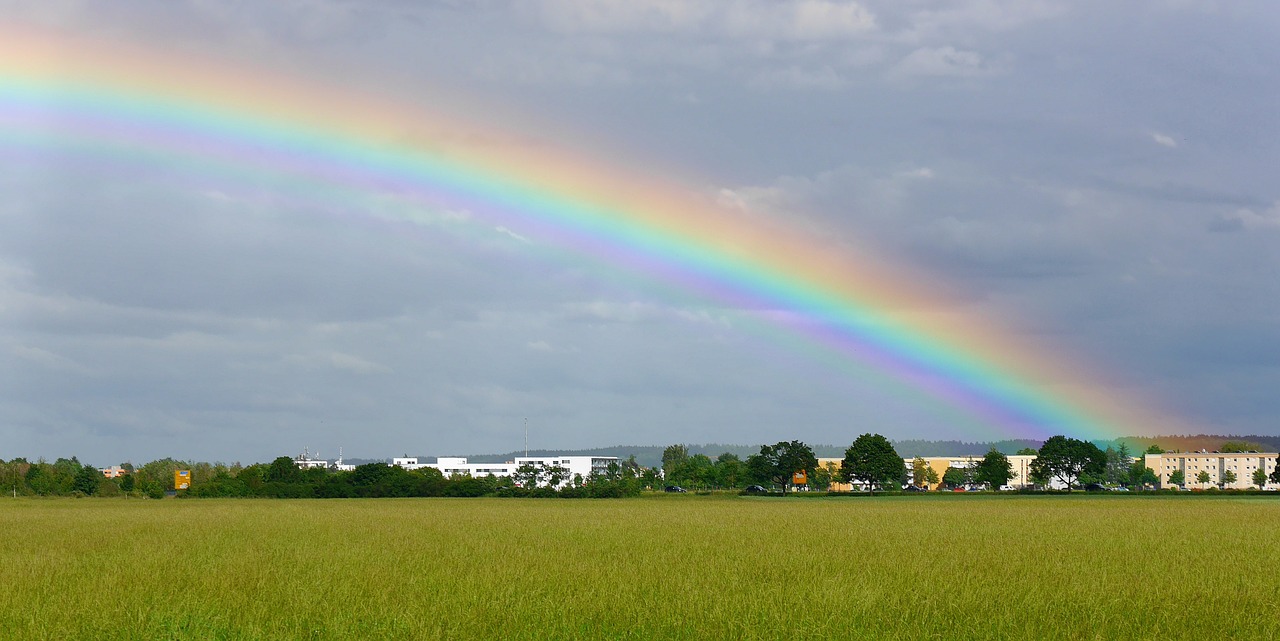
x=755, y=489
x=674, y=488
x=915, y=488
x=1094, y=487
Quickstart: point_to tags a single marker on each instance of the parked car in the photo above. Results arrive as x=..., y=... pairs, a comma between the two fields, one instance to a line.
x=755, y=489
x=1094, y=487
x=674, y=488
x=915, y=488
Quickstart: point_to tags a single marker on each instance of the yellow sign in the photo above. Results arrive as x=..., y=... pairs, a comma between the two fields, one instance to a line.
x=800, y=478
x=181, y=479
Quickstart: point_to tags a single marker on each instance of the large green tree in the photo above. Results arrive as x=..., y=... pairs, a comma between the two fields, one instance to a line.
x=283, y=470
x=1275, y=474
x=1259, y=477
x=1228, y=478
x=1067, y=460
x=778, y=462
x=1202, y=478
x=994, y=469
x=673, y=459
x=87, y=480
x=1178, y=477
x=956, y=477
x=730, y=471
x=872, y=460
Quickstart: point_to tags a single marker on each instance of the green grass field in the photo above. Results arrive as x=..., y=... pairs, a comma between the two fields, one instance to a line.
x=687, y=567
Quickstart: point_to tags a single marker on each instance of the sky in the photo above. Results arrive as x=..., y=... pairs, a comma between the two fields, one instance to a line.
x=1092, y=180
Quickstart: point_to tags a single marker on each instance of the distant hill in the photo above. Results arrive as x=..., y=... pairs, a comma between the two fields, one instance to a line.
x=651, y=455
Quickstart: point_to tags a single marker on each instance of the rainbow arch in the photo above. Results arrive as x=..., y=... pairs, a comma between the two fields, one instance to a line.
x=110, y=102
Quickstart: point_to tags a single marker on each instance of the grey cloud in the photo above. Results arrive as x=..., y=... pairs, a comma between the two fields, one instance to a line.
x=152, y=311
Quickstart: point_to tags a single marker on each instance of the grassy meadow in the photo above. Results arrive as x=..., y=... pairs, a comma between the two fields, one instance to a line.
x=680, y=567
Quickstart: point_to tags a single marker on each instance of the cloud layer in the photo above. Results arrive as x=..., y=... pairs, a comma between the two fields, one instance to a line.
x=1100, y=176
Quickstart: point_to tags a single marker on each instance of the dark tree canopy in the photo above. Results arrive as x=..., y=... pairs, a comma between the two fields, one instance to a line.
x=872, y=461
x=994, y=469
x=1068, y=460
x=778, y=462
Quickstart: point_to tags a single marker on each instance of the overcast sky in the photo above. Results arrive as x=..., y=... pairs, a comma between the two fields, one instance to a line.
x=1101, y=175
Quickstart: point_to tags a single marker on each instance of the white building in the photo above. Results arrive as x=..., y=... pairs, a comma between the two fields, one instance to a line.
x=306, y=461
x=407, y=462
x=583, y=466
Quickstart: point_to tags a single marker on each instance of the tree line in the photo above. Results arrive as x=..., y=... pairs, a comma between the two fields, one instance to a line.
x=282, y=478
x=870, y=462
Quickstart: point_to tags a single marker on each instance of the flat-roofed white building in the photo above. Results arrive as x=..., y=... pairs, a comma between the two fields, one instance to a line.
x=583, y=466
x=1216, y=464
x=408, y=462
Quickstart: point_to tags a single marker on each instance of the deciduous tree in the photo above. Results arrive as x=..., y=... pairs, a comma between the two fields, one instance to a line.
x=1069, y=459
x=872, y=460
x=87, y=480
x=994, y=469
x=919, y=471
x=1260, y=477
x=955, y=477
x=782, y=460
x=672, y=459
x=1202, y=478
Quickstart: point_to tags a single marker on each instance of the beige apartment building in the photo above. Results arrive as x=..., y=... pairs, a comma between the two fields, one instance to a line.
x=1021, y=464
x=1242, y=464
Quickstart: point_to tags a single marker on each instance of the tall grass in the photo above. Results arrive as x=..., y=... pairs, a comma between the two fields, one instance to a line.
x=657, y=567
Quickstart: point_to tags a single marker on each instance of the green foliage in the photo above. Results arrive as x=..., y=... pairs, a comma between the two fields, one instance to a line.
x=86, y=480
x=1069, y=460
x=1240, y=446
x=1259, y=477
x=994, y=470
x=283, y=470
x=1228, y=478
x=1155, y=449
x=778, y=462
x=955, y=477
x=672, y=458
x=872, y=460
x=919, y=471
x=1027, y=451
x=1275, y=475
x=1141, y=476
x=1178, y=477
x=1117, y=466
x=1202, y=477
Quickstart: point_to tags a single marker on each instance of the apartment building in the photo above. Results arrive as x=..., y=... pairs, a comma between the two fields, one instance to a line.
x=1216, y=464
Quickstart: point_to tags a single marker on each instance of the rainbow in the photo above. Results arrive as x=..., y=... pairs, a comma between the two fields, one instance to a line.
x=838, y=304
